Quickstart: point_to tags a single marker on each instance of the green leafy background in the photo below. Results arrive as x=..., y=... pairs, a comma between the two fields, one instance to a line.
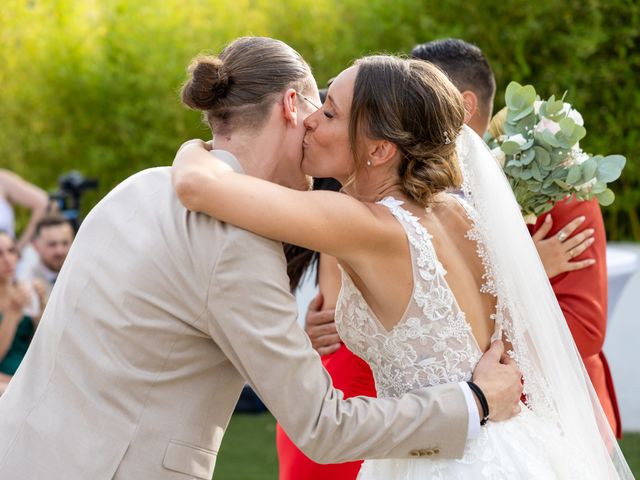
x=93, y=84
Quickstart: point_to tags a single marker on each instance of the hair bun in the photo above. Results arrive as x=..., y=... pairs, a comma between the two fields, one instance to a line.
x=209, y=83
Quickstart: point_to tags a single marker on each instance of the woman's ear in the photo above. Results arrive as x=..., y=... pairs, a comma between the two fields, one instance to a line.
x=470, y=100
x=380, y=152
x=290, y=107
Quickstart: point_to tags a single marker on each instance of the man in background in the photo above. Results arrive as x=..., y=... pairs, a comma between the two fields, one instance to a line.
x=52, y=240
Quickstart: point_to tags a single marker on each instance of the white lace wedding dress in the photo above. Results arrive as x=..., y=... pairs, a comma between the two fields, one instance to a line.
x=433, y=344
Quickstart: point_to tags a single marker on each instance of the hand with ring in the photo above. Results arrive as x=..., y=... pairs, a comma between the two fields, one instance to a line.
x=558, y=251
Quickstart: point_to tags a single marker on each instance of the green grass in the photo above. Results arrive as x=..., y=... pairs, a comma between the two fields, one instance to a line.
x=248, y=450
x=249, y=453
x=630, y=445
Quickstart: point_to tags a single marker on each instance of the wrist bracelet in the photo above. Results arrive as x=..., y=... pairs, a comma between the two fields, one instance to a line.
x=483, y=401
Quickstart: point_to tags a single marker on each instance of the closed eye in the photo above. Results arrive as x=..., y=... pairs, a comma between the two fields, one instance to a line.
x=327, y=114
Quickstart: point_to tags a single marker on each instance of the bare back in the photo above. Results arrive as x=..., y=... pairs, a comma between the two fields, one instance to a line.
x=387, y=283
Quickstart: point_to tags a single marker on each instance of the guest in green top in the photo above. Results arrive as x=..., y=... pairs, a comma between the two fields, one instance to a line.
x=16, y=329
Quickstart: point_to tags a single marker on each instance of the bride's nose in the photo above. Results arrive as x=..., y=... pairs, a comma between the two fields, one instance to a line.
x=311, y=122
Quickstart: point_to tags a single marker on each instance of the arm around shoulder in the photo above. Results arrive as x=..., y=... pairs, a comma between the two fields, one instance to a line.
x=323, y=221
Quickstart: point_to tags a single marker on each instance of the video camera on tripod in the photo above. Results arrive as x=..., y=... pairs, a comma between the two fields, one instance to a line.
x=71, y=187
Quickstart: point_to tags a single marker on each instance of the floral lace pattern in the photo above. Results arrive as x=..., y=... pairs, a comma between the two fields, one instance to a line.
x=536, y=389
x=432, y=343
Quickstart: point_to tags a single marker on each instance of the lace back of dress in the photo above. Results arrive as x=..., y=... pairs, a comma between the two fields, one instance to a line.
x=432, y=342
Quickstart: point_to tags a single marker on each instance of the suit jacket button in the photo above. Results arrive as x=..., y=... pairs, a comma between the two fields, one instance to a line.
x=415, y=453
x=429, y=453
x=436, y=451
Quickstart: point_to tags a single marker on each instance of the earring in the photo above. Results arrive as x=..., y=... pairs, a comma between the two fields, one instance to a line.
x=368, y=163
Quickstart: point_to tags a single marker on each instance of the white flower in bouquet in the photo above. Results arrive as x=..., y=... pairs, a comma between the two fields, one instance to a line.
x=575, y=116
x=538, y=143
x=518, y=138
x=547, y=124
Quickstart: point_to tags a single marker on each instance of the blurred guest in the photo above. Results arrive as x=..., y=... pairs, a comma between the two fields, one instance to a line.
x=16, y=328
x=52, y=241
x=576, y=265
x=16, y=191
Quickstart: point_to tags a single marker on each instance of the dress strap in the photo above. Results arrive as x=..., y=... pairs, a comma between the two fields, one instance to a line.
x=425, y=262
x=409, y=221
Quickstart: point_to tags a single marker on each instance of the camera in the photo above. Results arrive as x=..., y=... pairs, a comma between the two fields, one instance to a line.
x=71, y=187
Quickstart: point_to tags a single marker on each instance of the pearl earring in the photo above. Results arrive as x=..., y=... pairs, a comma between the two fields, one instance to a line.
x=368, y=163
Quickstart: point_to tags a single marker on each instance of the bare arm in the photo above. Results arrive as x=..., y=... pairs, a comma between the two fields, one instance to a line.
x=40, y=294
x=25, y=194
x=329, y=280
x=323, y=221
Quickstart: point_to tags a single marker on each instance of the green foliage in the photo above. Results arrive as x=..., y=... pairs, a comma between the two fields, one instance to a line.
x=93, y=84
x=538, y=140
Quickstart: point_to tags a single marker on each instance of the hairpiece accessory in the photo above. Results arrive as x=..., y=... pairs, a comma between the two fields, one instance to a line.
x=447, y=140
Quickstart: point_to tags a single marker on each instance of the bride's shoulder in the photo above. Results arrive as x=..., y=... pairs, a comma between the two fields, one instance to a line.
x=451, y=202
x=454, y=208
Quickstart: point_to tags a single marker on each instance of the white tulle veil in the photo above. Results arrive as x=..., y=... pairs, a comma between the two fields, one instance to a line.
x=556, y=384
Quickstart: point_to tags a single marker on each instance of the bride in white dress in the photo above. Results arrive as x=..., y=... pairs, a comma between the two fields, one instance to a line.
x=429, y=278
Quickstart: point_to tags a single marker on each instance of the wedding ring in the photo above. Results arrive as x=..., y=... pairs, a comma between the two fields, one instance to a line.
x=562, y=236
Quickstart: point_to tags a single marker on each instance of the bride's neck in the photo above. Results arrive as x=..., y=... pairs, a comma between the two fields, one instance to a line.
x=371, y=188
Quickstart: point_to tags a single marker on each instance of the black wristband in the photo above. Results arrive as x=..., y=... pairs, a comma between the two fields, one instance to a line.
x=483, y=401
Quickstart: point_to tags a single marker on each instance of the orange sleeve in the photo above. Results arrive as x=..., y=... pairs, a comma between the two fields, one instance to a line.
x=582, y=294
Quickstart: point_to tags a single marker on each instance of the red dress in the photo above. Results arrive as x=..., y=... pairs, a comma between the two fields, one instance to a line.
x=582, y=295
x=353, y=376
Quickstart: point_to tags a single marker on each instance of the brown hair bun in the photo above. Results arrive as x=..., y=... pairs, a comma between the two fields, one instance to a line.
x=209, y=83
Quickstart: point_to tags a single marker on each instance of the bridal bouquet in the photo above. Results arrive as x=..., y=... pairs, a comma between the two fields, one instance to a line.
x=537, y=142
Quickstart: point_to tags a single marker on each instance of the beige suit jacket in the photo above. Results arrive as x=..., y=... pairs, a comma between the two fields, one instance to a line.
x=156, y=320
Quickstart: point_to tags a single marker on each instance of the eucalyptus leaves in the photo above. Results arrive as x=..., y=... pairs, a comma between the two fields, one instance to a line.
x=537, y=142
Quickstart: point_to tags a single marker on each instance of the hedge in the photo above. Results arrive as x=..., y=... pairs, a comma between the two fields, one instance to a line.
x=92, y=84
